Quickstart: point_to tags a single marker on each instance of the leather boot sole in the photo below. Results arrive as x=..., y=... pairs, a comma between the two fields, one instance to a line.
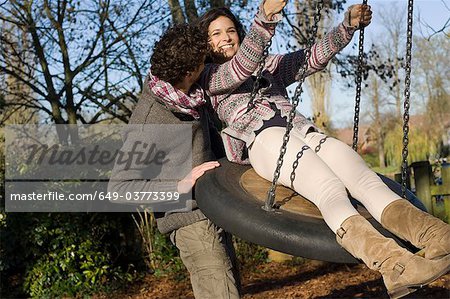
x=405, y=290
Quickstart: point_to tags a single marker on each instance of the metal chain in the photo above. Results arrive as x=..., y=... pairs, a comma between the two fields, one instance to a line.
x=319, y=146
x=409, y=43
x=295, y=101
x=295, y=164
x=358, y=81
x=300, y=155
x=256, y=84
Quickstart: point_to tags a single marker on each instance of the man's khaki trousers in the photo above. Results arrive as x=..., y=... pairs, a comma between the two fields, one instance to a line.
x=208, y=254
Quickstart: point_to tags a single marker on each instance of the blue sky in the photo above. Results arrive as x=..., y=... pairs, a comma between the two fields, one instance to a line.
x=433, y=13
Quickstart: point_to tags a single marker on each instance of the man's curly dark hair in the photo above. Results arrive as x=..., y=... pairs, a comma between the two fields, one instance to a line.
x=180, y=50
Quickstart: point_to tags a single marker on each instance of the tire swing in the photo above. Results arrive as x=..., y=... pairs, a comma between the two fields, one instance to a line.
x=233, y=195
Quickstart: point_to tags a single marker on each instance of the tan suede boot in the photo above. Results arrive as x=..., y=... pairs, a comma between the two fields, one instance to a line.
x=421, y=229
x=402, y=271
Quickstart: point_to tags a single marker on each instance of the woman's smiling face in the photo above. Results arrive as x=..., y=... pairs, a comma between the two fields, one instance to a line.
x=223, y=37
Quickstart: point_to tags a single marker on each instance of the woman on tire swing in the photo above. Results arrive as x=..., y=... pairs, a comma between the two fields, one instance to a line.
x=255, y=136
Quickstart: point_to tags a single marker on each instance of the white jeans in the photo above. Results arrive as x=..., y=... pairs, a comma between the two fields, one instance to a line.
x=323, y=176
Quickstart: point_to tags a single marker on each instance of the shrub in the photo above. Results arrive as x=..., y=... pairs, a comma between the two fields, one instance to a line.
x=161, y=256
x=62, y=254
x=248, y=254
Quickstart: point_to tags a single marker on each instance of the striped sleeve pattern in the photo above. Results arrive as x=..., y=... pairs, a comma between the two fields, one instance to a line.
x=286, y=67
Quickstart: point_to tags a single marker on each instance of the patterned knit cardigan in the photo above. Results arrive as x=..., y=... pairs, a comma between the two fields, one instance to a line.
x=229, y=85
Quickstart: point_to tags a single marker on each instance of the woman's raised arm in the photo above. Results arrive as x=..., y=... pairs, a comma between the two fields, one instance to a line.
x=286, y=67
x=223, y=78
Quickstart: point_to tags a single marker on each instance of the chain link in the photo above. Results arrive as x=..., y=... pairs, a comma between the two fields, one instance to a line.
x=319, y=146
x=358, y=81
x=295, y=164
x=409, y=43
x=295, y=101
x=257, y=83
x=300, y=155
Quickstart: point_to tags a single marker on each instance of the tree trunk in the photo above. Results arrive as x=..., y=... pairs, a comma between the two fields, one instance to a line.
x=177, y=13
x=378, y=123
x=216, y=3
x=398, y=99
x=191, y=10
x=15, y=91
x=319, y=87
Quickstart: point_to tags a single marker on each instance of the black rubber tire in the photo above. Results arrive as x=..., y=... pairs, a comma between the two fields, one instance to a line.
x=221, y=198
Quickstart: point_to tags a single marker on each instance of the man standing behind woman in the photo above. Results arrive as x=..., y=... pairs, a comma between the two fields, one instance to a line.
x=170, y=96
